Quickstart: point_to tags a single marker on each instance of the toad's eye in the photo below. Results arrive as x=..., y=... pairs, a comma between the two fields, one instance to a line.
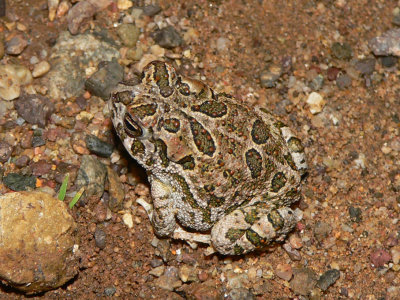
x=131, y=127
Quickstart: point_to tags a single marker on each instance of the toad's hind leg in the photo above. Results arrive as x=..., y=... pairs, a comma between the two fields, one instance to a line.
x=253, y=227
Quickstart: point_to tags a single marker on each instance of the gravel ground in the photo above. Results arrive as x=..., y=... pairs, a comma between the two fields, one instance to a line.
x=316, y=64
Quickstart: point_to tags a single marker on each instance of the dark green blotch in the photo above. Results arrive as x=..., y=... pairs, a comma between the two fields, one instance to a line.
x=278, y=182
x=255, y=238
x=161, y=74
x=203, y=94
x=184, y=89
x=18, y=182
x=216, y=201
x=292, y=193
x=269, y=167
x=254, y=162
x=214, y=109
x=238, y=250
x=188, y=197
x=202, y=138
x=161, y=148
x=290, y=161
x=276, y=219
x=252, y=216
x=187, y=162
x=260, y=132
x=223, y=94
x=206, y=215
x=234, y=234
x=144, y=110
x=172, y=125
x=279, y=124
x=137, y=147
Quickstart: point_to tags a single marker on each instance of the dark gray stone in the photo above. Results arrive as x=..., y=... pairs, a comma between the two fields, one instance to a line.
x=38, y=141
x=365, y=66
x=151, y=10
x=98, y=147
x=343, y=81
x=110, y=291
x=328, y=278
x=389, y=61
x=168, y=37
x=355, y=214
x=18, y=182
x=100, y=238
x=105, y=79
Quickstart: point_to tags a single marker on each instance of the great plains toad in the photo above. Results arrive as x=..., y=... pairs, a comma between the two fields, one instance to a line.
x=215, y=165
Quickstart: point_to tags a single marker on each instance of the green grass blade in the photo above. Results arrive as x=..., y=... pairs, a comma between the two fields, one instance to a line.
x=76, y=197
x=63, y=188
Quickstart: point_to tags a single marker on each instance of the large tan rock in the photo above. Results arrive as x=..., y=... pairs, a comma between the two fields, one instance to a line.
x=37, y=242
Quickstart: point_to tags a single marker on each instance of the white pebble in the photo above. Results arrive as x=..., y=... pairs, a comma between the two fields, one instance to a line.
x=315, y=102
x=40, y=69
x=128, y=221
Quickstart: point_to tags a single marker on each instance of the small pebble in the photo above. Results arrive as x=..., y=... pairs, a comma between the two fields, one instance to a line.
x=110, y=291
x=16, y=45
x=157, y=271
x=365, y=66
x=315, y=102
x=129, y=34
x=396, y=16
x=100, y=238
x=41, y=167
x=328, y=278
x=284, y=271
x=387, y=43
x=156, y=263
x=38, y=141
x=151, y=10
x=5, y=151
x=22, y=161
x=395, y=252
x=241, y=294
x=304, y=281
x=295, y=241
x=35, y=109
x=343, y=81
x=388, y=61
x=18, y=182
x=341, y=51
x=332, y=73
x=355, y=214
x=269, y=77
x=40, y=69
x=322, y=231
x=223, y=44
x=124, y=4
x=317, y=83
x=128, y=221
x=293, y=253
x=168, y=37
x=98, y=147
x=379, y=258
